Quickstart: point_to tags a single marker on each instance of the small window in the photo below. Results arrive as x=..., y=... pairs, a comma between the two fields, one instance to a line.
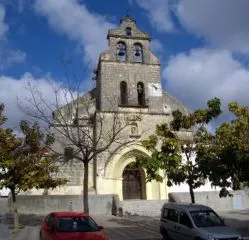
x=165, y=213
x=128, y=31
x=140, y=94
x=121, y=51
x=185, y=220
x=68, y=153
x=50, y=220
x=76, y=118
x=123, y=93
x=75, y=121
x=138, y=52
x=172, y=215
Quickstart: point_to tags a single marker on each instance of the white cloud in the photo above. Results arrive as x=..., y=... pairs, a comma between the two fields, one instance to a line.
x=17, y=56
x=9, y=57
x=3, y=25
x=156, y=46
x=78, y=23
x=159, y=13
x=14, y=90
x=224, y=23
x=202, y=74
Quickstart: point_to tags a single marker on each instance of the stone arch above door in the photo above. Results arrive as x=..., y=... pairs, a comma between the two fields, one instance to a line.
x=112, y=180
x=115, y=167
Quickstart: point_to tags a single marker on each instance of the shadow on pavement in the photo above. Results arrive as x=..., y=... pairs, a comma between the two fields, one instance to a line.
x=24, y=219
x=31, y=220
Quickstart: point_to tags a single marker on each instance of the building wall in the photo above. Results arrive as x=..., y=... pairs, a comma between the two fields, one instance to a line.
x=113, y=73
x=73, y=171
x=111, y=163
x=98, y=204
x=212, y=199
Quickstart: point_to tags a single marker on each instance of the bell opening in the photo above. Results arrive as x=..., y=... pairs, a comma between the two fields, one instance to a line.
x=121, y=54
x=137, y=54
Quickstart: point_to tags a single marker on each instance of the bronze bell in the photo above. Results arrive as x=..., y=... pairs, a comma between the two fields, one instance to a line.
x=121, y=53
x=137, y=53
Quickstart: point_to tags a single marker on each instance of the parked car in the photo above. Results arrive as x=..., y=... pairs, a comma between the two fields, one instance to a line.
x=70, y=225
x=4, y=192
x=193, y=222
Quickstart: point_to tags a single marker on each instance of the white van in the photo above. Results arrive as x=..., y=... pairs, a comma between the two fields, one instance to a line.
x=181, y=221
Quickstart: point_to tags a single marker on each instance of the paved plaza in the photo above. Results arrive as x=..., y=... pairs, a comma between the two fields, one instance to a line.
x=117, y=228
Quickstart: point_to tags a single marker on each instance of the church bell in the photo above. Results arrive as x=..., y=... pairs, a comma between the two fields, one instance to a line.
x=121, y=53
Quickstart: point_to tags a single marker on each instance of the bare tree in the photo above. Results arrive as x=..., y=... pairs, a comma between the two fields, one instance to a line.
x=84, y=131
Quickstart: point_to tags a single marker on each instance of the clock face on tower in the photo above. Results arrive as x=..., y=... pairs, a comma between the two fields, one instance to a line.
x=155, y=89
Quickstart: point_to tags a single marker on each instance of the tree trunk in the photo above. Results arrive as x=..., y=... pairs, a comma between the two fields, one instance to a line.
x=45, y=192
x=15, y=213
x=85, y=188
x=191, y=190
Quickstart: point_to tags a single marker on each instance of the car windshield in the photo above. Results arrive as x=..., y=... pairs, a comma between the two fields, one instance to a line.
x=76, y=224
x=207, y=218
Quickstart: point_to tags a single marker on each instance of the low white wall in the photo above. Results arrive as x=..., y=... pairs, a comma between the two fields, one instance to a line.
x=39, y=204
x=183, y=187
x=240, y=199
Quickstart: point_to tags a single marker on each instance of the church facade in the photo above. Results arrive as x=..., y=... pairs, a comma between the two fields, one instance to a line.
x=128, y=82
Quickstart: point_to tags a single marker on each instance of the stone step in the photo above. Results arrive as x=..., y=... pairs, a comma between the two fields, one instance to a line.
x=142, y=207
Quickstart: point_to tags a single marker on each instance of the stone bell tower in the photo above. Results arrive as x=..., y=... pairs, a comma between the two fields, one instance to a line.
x=128, y=73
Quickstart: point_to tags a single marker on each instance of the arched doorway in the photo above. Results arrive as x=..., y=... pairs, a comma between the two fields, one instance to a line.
x=133, y=182
x=115, y=175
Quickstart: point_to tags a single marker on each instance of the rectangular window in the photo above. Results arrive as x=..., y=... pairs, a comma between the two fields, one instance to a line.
x=165, y=213
x=184, y=220
x=172, y=215
x=68, y=153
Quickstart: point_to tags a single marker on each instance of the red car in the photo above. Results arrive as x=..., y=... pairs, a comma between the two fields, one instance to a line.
x=70, y=225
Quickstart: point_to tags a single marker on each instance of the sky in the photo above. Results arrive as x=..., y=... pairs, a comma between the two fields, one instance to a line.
x=203, y=46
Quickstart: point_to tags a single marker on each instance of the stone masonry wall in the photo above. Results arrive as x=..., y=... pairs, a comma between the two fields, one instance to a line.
x=113, y=73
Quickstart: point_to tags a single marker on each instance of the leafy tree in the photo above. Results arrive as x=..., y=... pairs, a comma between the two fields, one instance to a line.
x=24, y=161
x=226, y=157
x=173, y=148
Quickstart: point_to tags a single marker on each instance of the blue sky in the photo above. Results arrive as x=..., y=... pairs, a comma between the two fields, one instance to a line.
x=203, y=45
